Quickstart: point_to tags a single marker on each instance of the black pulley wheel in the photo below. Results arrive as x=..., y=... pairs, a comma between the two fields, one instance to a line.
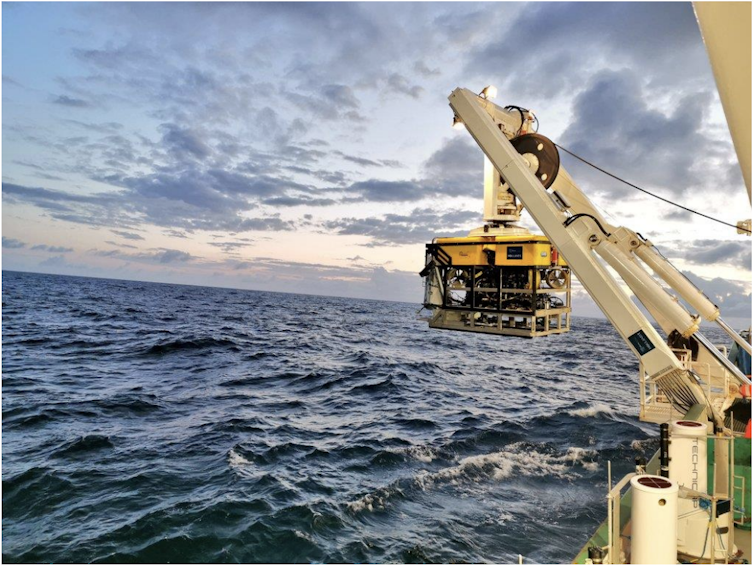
x=546, y=153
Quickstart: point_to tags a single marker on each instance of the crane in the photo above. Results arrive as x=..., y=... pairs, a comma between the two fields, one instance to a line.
x=528, y=166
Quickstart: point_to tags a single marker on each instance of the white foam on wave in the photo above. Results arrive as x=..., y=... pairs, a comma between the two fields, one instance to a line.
x=592, y=410
x=583, y=457
x=370, y=501
x=422, y=453
x=640, y=445
x=513, y=461
x=242, y=466
x=235, y=460
x=501, y=465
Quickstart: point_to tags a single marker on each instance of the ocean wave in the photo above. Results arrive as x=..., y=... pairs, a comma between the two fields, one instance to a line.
x=592, y=410
x=188, y=344
x=519, y=460
x=86, y=443
x=206, y=425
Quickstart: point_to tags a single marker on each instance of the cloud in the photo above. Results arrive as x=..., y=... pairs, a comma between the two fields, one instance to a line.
x=161, y=256
x=209, y=118
x=183, y=142
x=298, y=201
x=10, y=81
x=230, y=247
x=399, y=84
x=364, y=162
x=421, y=68
x=714, y=252
x=54, y=262
x=214, y=200
x=52, y=249
x=549, y=47
x=732, y=297
x=644, y=148
x=127, y=235
x=172, y=256
x=175, y=233
x=455, y=170
x=70, y=102
x=13, y=244
x=332, y=102
x=419, y=226
x=192, y=197
x=377, y=190
x=129, y=246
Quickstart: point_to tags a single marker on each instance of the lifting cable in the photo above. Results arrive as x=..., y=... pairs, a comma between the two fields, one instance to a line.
x=649, y=193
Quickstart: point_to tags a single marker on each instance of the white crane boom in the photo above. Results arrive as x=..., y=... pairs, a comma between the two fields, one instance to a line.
x=580, y=233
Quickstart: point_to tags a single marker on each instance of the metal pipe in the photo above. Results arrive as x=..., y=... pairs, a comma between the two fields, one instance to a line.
x=718, y=355
x=647, y=289
x=690, y=292
x=665, y=450
x=737, y=338
x=677, y=281
x=610, y=504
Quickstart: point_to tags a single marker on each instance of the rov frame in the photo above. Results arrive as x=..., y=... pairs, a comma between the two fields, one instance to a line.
x=499, y=285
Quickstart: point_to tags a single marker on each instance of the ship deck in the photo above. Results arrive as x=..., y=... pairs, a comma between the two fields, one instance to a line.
x=741, y=533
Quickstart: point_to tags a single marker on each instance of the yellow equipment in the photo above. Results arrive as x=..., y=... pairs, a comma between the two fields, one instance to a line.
x=515, y=285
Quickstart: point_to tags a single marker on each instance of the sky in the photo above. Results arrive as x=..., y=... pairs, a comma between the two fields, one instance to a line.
x=307, y=147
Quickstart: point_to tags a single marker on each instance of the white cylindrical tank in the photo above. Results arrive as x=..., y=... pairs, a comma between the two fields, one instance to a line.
x=688, y=454
x=688, y=467
x=654, y=520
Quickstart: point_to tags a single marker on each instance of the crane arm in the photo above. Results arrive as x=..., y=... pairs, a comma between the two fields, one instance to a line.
x=581, y=233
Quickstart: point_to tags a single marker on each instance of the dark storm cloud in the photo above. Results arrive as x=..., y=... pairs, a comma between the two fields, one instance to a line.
x=13, y=244
x=419, y=226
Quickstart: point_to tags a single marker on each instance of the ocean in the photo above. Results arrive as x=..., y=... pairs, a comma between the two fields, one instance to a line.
x=146, y=422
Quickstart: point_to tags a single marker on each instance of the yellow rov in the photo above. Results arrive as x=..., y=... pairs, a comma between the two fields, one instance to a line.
x=516, y=285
